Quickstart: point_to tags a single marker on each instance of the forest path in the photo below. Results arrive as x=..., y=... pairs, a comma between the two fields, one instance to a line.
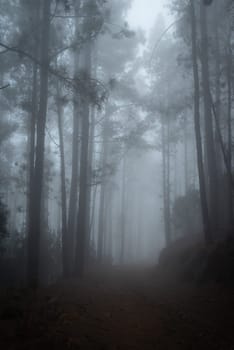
x=120, y=310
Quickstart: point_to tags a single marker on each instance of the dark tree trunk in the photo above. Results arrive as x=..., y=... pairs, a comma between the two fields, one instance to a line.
x=229, y=122
x=32, y=130
x=201, y=173
x=166, y=183
x=90, y=170
x=101, y=219
x=110, y=224
x=32, y=122
x=35, y=217
x=123, y=211
x=73, y=198
x=65, y=240
x=186, y=175
x=209, y=134
x=82, y=225
x=71, y=225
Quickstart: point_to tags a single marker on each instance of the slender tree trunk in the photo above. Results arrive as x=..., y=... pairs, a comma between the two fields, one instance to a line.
x=217, y=78
x=123, y=211
x=65, y=240
x=35, y=217
x=90, y=170
x=168, y=184
x=166, y=180
x=92, y=221
x=110, y=224
x=218, y=147
x=209, y=136
x=229, y=153
x=73, y=198
x=201, y=173
x=71, y=225
x=139, y=228
x=101, y=219
x=32, y=123
x=32, y=130
x=82, y=225
x=186, y=175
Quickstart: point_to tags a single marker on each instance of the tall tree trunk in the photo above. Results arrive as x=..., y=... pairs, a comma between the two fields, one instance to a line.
x=166, y=185
x=32, y=129
x=72, y=209
x=92, y=219
x=101, y=219
x=32, y=122
x=110, y=224
x=209, y=135
x=201, y=173
x=123, y=211
x=71, y=225
x=229, y=122
x=186, y=175
x=139, y=228
x=82, y=227
x=218, y=147
x=35, y=217
x=90, y=170
x=217, y=78
x=65, y=240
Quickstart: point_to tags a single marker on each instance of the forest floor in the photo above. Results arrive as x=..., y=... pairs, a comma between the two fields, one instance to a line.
x=118, y=309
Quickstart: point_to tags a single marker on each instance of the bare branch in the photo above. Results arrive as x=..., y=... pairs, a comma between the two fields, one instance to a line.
x=74, y=83
x=4, y=86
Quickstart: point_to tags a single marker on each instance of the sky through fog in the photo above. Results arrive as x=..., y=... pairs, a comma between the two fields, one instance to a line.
x=144, y=13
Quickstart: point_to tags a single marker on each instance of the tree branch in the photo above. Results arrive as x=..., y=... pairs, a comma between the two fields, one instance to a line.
x=4, y=86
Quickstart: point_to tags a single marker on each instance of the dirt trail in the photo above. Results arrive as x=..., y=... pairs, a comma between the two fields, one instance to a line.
x=122, y=310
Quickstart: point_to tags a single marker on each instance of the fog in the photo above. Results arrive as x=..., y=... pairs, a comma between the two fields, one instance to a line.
x=116, y=169
x=144, y=14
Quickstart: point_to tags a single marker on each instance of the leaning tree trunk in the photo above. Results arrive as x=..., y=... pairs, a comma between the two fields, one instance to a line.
x=35, y=216
x=201, y=173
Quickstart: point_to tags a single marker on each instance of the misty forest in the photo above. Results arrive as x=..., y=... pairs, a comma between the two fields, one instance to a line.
x=116, y=174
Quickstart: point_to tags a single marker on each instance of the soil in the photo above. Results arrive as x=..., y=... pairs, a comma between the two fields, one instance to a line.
x=118, y=309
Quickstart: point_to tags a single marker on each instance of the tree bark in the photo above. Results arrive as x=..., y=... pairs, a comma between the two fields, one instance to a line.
x=123, y=211
x=35, y=217
x=90, y=179
x=82, y=227
x=229, y=122
x=65, y=240
x=209, y=134
x=166, y=182
x=101, y=225
x=201, y=173
x=186, y=175
x=71, y=225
